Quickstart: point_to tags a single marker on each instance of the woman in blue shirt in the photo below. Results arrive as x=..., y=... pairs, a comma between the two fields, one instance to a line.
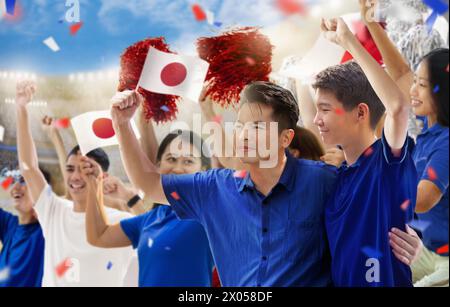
x=171, y=252
x=428, y=89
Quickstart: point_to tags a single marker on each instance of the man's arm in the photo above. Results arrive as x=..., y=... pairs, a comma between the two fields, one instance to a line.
x=148, y=140
x=28, y=160
x=141, y=171
x=397, y=106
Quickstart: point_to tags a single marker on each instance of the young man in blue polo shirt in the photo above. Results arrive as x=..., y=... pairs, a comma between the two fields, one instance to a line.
x=379, y=178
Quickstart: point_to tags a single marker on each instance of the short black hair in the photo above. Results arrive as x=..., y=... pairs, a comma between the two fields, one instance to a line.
x=98, y=155
x=190, y=137
x=437, y=65
x=47, y=175
x=351, y=87
x=282, y=101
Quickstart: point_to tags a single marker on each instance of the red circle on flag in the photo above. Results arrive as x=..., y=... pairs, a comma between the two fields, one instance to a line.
x=103, y=128
x=173, y=74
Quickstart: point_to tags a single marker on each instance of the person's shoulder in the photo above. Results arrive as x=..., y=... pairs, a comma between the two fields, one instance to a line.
x=317, y=168
x=8, y=217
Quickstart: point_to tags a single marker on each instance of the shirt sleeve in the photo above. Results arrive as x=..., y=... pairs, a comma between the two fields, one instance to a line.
x=132, y=227
x=46, y=207
x=389, y=157
x=437, y=167
x=5, y=218
x=188, y=194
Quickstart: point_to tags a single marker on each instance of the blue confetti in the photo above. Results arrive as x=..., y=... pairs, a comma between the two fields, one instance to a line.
x=165, y=108
x=218, y=24
x=109, y=266
x=431, y=21
x=371, y=252
x=419, y=225
x=10, y=5
x=436, y=89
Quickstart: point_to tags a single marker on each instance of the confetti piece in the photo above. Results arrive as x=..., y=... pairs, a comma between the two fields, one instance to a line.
x=2, y=133
x=218, y=119
x=62, y=123
x=290, y=7
x=432, y=175
x=419, y=225
x=4, y=274
x=175, y=195
x=240, y=174
x=7, y=182
x=405, y=205
x=368, y=152
x=436, y=89
x=62, y=268
x=447, y=68
x=339, y=111
x=371, y=252
x=442, y=250
x=168, y=248
x=251, y=61
x=51, y=43
x=109, y=266
x=198, y=12
x=10, y=6
x=438, y=6
x=150, y=242
x=165, y=108
x=75, y=28
x=431, y=21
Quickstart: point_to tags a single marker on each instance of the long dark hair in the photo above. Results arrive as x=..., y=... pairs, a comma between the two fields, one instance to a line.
x=437, y=64
x=188, y=136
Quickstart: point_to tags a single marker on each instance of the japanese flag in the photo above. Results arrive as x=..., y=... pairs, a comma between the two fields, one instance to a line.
x=95, y=129
x=166, y=73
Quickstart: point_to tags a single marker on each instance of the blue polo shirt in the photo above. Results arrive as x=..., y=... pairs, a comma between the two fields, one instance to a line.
x=365, y=207
x=171, y=253
x=22, y=254
x=275, y=240
x=431, y=152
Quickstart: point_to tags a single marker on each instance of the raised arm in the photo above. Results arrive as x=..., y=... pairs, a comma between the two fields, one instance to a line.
x=99, y=232
x=397, y=106
x=396, y=65
x=141, y=171
x=149, y=143
x=55, y=137
x=28, y=159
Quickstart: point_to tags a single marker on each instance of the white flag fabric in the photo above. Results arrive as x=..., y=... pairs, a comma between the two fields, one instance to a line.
x=51, y=43
x=95, y=130
x=2, y=133
x=173, y=74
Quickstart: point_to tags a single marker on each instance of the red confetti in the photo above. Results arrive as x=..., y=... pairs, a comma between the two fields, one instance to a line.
x=405, y=205
x=368, y=152
x=75, y=28
x=218, y=119
x=7, y=182
x=175, y=195
x=339, y=111
x=442, y=250
x=131, y=64
x=290, y=7
x=240, y=174
x=447, y=68
x=230, y=69
x=432, y=175
x=199, y=14
x=62, y=268
x=62, y=123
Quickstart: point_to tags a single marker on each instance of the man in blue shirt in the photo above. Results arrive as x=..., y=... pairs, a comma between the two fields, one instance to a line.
x=377, y=185
x=22, y=255
x=265, y=228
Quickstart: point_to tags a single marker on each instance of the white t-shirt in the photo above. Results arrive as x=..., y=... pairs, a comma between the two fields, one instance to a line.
x=65, y=239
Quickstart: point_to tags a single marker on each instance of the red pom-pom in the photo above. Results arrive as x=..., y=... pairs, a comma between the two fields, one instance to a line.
x=236, y=59
x=159, y=107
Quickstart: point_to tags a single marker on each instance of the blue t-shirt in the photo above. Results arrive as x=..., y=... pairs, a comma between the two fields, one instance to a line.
x=367, y=204
x=278, y=240
x=431, y=159
x=171, y=252
x=22, y=254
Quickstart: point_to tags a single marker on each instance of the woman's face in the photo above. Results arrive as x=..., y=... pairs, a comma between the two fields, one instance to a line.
x=421, y=92
x=180, y=157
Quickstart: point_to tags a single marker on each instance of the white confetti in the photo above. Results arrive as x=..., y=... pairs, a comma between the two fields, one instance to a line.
x=2, y=133
x=51, y=43
x=150, y=242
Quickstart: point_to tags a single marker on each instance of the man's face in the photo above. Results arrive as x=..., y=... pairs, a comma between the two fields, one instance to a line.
x=256, y=134
x=336, y=125
x=21, y=197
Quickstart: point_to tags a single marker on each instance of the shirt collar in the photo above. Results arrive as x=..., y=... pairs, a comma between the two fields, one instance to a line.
x=364, y=156
x=436, y=129
x=287, y=177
